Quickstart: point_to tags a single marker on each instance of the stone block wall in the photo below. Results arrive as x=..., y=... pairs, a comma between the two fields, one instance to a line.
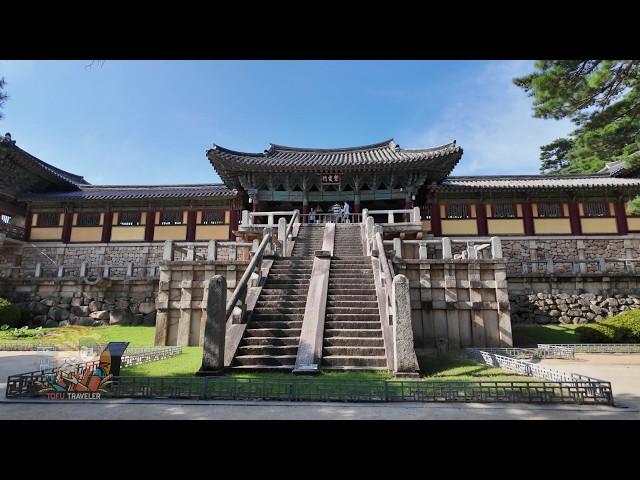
x=182, y=298
x=457, y=303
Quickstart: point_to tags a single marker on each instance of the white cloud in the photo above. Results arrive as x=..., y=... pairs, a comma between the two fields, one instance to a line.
x=492, y=120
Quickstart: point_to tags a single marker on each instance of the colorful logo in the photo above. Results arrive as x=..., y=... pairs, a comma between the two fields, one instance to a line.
x=66, y=384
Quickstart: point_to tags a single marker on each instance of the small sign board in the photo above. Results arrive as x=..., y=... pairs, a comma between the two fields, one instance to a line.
x=330, y=178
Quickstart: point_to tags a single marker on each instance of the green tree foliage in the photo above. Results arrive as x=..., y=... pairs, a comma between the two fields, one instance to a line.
x=602, y=98
x=3, y=95
x=9, y=314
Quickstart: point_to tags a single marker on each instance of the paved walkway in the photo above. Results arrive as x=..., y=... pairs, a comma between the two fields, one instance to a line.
x=622, y=370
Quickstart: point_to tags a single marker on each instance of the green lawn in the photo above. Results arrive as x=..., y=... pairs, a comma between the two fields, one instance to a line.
x=531, y=335
x=453, y=367
x=75, y=335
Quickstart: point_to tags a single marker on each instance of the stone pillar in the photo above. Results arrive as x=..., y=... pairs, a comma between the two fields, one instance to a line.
x=405, y=362
x=282, y=237
x=215, y=329
x=481, y=219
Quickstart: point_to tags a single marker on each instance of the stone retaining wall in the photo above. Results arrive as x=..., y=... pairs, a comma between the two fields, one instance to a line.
x=52, y=303
x=543, y=308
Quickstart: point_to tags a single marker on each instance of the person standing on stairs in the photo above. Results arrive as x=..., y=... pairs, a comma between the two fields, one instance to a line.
x=312, y=216
x=346, y=210
x=319, y=213
x=336, y=210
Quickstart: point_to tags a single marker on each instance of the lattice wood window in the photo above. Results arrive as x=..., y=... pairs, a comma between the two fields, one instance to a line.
x=88, y=220
x=171, y=218
x=129, y=219
x=48, y=219
x=504, y=210
x=596, y=209
x=458, y=210
x=213, y=217
x=549, y=210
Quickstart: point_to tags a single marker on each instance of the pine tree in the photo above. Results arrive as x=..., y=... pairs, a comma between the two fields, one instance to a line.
x=3, y=95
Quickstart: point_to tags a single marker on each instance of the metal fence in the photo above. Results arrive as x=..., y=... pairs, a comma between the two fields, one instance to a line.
x=26, y=347
x=595, y=347
x=586, y=389
x=542, y=351
x=207, y=388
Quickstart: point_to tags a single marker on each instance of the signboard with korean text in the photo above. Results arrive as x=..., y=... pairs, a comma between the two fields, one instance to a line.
x=330, y=178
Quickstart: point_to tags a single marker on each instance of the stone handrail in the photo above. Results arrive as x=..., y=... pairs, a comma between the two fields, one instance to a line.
x=248, y=217
x=189, y=250
x=239, y=294
x=294, y=217
x=482, y=248
x=414, y=214
x=578, y=266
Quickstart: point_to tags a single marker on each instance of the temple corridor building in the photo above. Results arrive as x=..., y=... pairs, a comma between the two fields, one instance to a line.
x=42, y=203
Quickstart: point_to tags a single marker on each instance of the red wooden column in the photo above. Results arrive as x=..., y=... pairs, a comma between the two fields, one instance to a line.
x=106, y=227
x=527, y=214
x=149, y=226
x=436, y=225
x=621, y=218
x=235, y=220
x=481, y=219
x=256, y=208
x=191, y=226
x=574, y=218
x=28, y=219
x=66, y=227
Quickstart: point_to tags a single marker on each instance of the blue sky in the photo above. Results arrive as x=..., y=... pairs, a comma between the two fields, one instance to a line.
x=150, y=122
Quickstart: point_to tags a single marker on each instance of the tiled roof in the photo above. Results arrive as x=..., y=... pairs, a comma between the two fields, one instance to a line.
x=54, y=173
x=134, y=192
x=383, y=156
x=537, y=182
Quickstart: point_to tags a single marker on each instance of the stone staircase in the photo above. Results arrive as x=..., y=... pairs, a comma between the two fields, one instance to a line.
x=309, y=240
x=352, y=330
x=270, y=341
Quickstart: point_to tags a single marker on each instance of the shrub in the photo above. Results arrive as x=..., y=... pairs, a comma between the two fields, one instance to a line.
x=10, y=314
x=623, y=328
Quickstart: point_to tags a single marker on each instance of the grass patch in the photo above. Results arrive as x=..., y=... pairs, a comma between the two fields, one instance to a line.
x=73, y=335
x=451, y=368
x=531, y=335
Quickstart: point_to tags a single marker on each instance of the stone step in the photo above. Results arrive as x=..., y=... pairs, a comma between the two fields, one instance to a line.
x=351, y=324
x=280, y=295
x=351, y=291
x=265, y=360
x=346, y=368
x=276, y=350
x=272, y=332
x=259, y=317
x=354, y=361
x=354, y=317
x=262, y=310
x=352, y=298
x=353, y=351
x=283, y=302
x=331, y=302
x=275, y=341
x=270, y=368
x=346, y=310
x=352, y=332
x=353, y=341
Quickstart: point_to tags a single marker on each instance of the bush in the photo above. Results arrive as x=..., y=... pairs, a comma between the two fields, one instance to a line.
x=623, y=328
x=10, y=314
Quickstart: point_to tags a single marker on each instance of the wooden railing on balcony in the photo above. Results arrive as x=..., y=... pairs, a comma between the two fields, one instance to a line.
x=12, y=231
